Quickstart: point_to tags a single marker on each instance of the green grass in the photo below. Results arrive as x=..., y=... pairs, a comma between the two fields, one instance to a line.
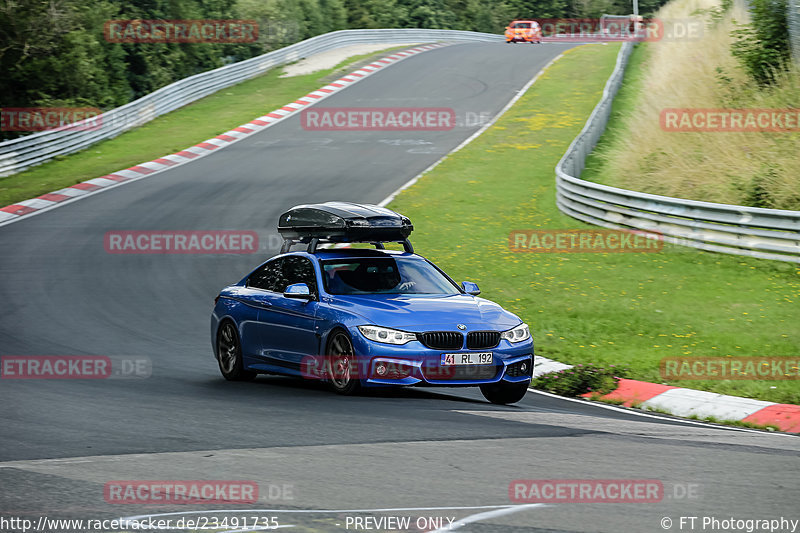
x=629, y=309
x=192, y=124
x=657, y=410
x=627, y=96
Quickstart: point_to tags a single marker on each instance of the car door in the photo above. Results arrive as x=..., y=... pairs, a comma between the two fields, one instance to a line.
x=258, y=295
x=289, y=326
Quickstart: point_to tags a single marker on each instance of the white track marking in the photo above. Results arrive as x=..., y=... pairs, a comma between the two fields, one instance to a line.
x=472, y=137
x=488, y=514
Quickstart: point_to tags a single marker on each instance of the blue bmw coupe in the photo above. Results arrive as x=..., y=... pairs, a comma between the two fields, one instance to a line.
x=366, y=317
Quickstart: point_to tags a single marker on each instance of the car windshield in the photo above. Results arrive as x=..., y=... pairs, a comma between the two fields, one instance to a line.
x=522, y=25
x=384, y=275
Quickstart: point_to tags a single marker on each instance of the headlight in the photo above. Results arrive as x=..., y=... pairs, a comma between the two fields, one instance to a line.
x=518, y=334
x=386, y=335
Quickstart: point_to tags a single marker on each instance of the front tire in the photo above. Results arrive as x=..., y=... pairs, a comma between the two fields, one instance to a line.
x=343, y=369
x=504, y=393
x=229, y=354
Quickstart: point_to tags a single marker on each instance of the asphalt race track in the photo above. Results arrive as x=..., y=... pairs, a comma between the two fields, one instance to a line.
x=434, y=453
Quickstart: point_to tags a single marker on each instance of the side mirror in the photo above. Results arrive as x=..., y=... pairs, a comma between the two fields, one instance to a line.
x=470, y=288
x=298, y=291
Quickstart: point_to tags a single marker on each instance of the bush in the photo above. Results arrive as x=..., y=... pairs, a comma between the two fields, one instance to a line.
x=763, y=47
x=581, y=379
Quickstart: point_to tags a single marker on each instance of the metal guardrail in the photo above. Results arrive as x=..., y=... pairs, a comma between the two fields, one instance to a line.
x=731, y=229
x=18, y=154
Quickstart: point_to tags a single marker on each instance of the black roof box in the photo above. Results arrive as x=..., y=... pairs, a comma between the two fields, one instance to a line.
x=343, y=222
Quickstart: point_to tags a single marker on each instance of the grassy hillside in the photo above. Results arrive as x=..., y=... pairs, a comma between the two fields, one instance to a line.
x=760, y=169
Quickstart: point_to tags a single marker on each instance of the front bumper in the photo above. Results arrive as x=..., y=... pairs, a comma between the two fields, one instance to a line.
x=512, y=363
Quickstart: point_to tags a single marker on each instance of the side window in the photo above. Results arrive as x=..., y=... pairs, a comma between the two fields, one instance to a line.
x=298, y=269
x=268, y=277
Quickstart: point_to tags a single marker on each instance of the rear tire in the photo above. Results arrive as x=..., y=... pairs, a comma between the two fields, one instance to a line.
x=504, y=393
x=229, y=354
x=343, y=368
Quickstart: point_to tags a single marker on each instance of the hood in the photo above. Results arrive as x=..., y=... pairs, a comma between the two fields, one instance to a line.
x=427, y=312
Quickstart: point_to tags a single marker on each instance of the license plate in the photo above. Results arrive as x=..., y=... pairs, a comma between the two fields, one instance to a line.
x=484, y=358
